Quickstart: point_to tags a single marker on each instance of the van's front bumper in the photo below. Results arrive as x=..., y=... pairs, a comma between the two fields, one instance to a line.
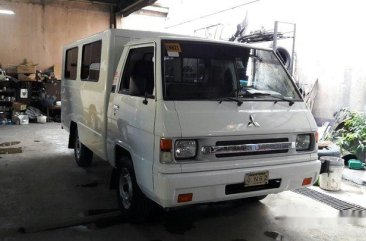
x=211, y=186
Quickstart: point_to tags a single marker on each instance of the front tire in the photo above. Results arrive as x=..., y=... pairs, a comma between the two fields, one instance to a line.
x=83, y=155
x=132, y=202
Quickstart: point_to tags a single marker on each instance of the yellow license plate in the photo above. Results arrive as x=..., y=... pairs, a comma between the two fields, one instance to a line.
x=256, y=178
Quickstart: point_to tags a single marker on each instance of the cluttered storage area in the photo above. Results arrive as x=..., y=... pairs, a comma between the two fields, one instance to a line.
x=29, y=95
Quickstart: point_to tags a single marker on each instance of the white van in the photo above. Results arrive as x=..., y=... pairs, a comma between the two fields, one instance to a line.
x=186, y=120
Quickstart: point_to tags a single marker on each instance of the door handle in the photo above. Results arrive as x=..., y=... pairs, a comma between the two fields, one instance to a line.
x=115, y=108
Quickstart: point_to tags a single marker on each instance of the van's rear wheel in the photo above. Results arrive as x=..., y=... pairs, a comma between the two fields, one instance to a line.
x=83, y=155
x=132, y=202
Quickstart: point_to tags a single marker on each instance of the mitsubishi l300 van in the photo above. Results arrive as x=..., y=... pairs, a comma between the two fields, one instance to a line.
x=186, y=120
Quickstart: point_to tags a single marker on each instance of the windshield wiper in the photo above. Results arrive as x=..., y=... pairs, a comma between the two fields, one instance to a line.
x=258, y=93
x=221, y=99
x=230, y=98
x=280, y=97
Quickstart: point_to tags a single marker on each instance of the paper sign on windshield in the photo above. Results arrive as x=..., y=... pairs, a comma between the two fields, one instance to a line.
x=173, y=49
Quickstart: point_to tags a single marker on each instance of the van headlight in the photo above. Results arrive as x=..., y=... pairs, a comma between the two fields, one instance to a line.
x=185, y=149
x=303, y=142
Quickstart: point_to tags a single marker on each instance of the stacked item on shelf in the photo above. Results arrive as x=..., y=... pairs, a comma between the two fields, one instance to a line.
x=26, y=71
x=7, y=96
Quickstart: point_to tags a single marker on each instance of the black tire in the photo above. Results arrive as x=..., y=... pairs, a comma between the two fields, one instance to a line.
x=83, y=155
x=134, y=205
x=257, y=198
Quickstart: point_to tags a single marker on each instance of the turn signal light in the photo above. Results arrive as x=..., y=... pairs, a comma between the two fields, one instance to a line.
x=186, y=197
x=166, y=144
x=316, y=137
x=307, y=181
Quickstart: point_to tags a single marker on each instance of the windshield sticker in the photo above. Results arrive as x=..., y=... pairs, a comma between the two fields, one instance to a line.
x=173, y=49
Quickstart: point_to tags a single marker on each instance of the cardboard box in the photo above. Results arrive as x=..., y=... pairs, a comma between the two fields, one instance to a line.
x=42, y=119
x=57, y=71
x=26, y=69
x=11, y=70
x=24, y=119
x=21, y=120
x=17, y=106
x=27, y=77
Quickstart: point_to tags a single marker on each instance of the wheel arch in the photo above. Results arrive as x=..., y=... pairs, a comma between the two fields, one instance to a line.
x=119, y=152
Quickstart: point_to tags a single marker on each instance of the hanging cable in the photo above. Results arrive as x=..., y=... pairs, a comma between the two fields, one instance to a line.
x=211, y=14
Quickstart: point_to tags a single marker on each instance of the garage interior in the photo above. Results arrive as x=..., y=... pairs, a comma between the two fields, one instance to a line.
x=46, y=196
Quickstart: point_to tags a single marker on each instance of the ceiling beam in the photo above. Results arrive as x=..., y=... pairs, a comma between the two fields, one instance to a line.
x=126, y=7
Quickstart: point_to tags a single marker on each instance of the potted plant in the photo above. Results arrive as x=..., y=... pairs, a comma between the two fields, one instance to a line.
x=352, y=136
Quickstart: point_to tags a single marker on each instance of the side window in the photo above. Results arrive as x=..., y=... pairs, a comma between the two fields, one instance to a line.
x=90, y=63
x=71, y=61
x=138, y=73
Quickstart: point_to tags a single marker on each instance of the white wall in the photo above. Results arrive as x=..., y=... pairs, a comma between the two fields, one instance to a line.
x=143, y=22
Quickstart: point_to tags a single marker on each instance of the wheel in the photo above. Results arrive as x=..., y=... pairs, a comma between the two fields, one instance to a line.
x=83, y=155
x=132, y=202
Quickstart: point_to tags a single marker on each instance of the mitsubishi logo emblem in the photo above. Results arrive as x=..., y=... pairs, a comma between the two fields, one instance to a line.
x=252, y=122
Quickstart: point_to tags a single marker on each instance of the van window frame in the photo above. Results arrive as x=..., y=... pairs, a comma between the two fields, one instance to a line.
x=82, y=60
x=163, y=81
x=120, y=89
x=66, y=62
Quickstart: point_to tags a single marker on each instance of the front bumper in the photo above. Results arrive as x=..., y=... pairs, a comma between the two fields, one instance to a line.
x=211, y=186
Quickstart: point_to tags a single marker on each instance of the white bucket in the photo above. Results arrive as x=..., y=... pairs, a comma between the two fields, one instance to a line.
x=42, y=119
x=332, y=179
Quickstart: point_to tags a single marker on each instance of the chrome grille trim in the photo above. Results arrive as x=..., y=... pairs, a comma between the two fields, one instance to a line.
x=260, y=147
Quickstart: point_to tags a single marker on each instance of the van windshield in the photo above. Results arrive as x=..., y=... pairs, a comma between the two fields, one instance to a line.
x=196, y=70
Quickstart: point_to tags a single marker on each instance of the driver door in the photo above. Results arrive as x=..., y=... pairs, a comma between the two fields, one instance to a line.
x=132, y=110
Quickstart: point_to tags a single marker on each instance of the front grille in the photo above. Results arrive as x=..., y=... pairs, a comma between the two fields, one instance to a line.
x=258, y=141
x=251, y=153
x=240, y=188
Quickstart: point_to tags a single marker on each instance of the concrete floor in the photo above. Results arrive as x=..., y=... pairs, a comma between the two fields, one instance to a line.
x=43, y=191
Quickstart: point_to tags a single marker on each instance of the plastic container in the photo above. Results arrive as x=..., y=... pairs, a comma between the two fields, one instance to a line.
x=42, y=119
x=331, y=179
x=356, y=164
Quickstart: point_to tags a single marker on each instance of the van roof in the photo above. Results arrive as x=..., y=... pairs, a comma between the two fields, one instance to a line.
x=157, y=36
x=194, y=39
x=214, y=41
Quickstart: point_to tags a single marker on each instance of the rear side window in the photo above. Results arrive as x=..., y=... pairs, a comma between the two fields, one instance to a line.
x=71, y=61
x=90, y=65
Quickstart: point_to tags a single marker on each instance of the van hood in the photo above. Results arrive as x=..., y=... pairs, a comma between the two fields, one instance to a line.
x=210, y=118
